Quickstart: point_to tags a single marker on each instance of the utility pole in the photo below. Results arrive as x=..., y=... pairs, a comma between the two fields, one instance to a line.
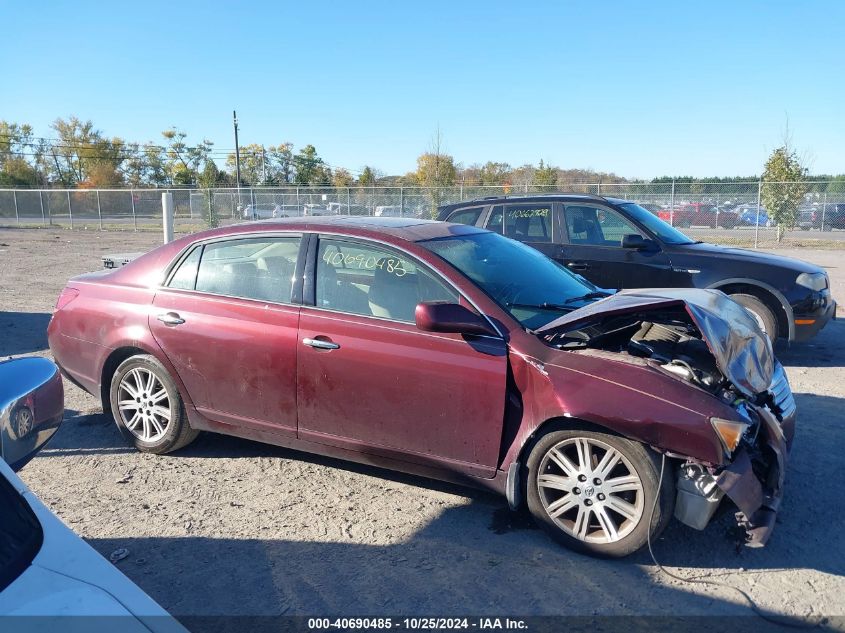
x=263, y=166
x=237, y=148
x=237, y=157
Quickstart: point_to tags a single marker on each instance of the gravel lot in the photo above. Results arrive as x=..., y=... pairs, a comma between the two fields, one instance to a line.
x=228, y=526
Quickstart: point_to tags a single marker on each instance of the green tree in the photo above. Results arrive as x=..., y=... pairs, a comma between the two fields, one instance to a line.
x=435, y=170
x=783, y=188
x=342, y=178
x=253, y=164
x=494, y=173
x=367, y=178
x=310, y=169
x=545, y=175
x=837, y=186
x=83, y=156
x=280, y=167
x=183, y=161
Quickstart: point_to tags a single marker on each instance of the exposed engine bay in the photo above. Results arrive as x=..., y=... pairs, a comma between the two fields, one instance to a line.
x=668, y=338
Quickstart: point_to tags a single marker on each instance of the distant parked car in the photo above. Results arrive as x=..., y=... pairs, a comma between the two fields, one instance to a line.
x=698, y=214
x=315, y=210
x=749, y=215
x=833, y=214
x=651, y=207
x=340, y=208
x=263, y=212
x=391, y=211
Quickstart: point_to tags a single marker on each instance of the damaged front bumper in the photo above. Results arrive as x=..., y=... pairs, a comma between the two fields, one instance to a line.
x=754, y=478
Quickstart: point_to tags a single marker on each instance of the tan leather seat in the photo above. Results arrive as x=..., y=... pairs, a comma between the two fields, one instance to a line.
x=392, y=295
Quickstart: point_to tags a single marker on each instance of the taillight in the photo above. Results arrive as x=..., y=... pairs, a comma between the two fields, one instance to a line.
x=67, y=295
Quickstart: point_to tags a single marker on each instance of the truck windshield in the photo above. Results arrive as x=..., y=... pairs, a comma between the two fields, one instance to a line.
x=663, y=231
x=523, y=281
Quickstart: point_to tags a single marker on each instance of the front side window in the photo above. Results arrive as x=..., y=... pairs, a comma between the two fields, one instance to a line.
x=253, y=268
x=597, y=226
x=531, y=287
x=529, y=222
x=496, y=221
x=371, y=280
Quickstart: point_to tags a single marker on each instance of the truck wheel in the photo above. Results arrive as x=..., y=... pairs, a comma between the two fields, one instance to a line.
x=760, y=311
x=594, y=492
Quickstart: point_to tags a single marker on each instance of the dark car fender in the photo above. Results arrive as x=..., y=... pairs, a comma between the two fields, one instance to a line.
x=777, y=294
x=624, y=397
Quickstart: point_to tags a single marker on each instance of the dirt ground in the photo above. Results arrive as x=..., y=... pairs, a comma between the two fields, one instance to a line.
x=228, y=526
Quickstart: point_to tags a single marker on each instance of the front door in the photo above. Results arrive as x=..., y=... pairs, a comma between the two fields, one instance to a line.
x=594, y=250
x=226, y=323
x=369, y=380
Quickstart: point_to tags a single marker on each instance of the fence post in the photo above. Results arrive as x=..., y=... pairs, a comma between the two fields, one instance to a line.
x=15, y=198
x=191, y=205
x=134, y=217
x=757, y=221
x=211, y=221
x=672, y=204
x=402, y=201
x=348, y=201
x=298, y=209
x=99, y=210
x=824, y=210
x=69, y=209
x=462, y=191
x=41, y=200
x=167, y=216
x=598, y=188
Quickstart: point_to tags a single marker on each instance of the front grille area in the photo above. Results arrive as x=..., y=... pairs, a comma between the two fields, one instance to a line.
x=782, y=393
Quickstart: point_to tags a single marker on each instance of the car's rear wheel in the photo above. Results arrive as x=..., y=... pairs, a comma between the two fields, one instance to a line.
x=594, y=492
x=147, y=406
x=761, y=312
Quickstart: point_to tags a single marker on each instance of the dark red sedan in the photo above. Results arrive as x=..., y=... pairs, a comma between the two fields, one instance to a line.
x=448, y=351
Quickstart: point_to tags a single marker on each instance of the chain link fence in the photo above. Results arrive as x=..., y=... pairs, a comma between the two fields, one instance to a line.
x=726, y=212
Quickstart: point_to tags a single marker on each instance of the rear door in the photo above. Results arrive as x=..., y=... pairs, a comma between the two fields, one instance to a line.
x=371, y=381
x=527, y=222
x=226, y=321
x=594, y=250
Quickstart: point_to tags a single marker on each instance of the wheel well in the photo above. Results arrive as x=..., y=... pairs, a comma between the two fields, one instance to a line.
x=771, y=301
x=109, y=367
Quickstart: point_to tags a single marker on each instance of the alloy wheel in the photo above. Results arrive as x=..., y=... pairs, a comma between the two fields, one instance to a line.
x=144, y=404
x=590, y=490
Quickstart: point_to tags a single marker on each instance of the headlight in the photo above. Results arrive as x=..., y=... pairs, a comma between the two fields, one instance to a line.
x=813, y=281
x=730, y=432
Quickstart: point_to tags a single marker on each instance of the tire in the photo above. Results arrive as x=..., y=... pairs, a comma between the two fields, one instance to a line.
x=152, y=425
x=761, y=312
x=622, y=536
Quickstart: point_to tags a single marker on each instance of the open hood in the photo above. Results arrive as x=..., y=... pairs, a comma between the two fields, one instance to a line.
x=743, y=353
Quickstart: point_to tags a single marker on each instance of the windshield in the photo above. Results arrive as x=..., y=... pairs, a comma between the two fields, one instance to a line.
x=526, y=283
x=664, y=232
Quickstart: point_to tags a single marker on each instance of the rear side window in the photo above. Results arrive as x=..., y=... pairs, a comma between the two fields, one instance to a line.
x=185, y=275
x=495, y=222
x=529, y=222
x=597, y=226
x=255, y=268
x=466, y=216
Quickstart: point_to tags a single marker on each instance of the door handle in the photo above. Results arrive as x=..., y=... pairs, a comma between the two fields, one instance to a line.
x=170, y=318
x=577, y=266
x=318, y=344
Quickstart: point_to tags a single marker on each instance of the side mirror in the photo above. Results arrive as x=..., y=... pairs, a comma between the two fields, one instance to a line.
x=32, y=405
x=637, y=242
x=434, y=316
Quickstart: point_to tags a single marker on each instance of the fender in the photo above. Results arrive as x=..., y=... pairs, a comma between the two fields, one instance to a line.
x=790, y=320
x=626, y=397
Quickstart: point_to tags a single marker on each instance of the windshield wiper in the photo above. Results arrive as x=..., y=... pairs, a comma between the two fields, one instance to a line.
x=541, y=306
x=596, y=294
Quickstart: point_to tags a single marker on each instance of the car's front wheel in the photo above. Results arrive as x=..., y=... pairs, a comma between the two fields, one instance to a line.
x=760, y=311
x=594, y=492
x=147, y=406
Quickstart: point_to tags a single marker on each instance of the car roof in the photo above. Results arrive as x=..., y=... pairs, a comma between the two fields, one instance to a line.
x=529, y=197
x=409, y=229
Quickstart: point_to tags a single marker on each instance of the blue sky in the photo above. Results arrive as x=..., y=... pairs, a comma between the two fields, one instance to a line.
x=638, y=88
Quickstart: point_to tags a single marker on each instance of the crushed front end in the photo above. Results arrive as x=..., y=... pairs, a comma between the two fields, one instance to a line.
x=754, y=475
x=704, y=338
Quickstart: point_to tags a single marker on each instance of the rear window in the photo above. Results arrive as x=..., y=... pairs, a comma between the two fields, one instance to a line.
x=20, y=534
